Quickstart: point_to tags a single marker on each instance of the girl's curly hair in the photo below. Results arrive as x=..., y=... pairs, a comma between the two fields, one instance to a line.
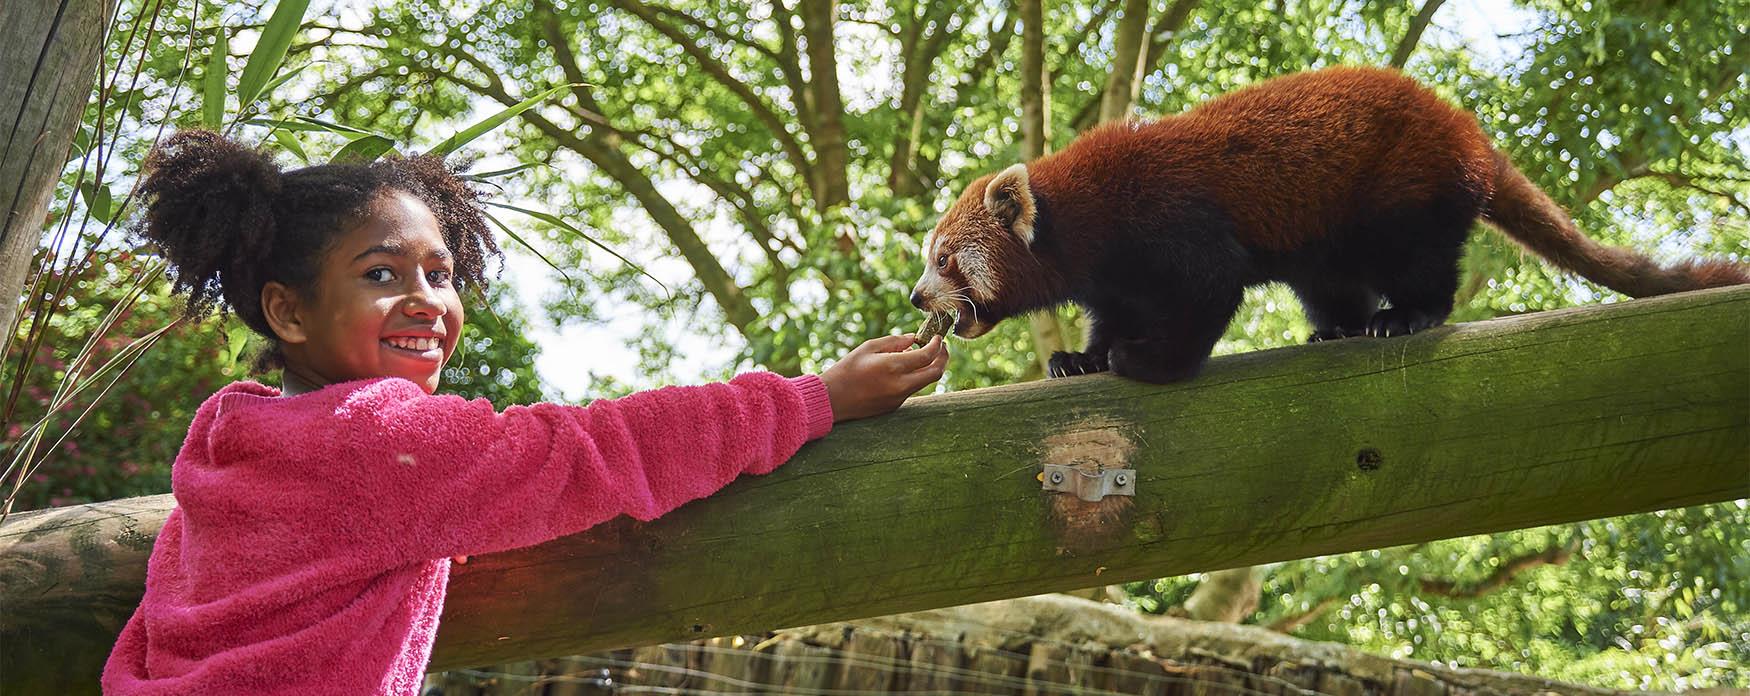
x=229, y=220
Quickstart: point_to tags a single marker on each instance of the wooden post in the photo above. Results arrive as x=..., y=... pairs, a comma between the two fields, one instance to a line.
x=1362, y=443
x=48, y=56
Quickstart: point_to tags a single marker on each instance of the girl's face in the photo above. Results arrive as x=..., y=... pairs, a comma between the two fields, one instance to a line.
x=383, y=304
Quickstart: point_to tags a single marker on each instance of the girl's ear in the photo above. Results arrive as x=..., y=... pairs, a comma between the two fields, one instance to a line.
x=280, y=305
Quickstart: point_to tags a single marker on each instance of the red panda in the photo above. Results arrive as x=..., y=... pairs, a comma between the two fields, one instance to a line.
x=1351, y=185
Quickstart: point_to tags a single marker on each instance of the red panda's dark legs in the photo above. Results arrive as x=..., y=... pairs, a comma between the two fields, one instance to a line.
x=1175, y=348
x=1089, y=361
x=1337, y=308
x=1421, y=286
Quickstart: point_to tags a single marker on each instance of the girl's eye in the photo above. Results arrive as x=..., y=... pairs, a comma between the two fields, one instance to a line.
x=380, y=274
x=942, y=261
x=439, y=278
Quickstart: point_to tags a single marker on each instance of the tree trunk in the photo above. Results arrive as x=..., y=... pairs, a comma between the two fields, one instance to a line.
x=1160, y=38
x=1125, y=81
x=1532, y=420
x=1047, y=333
x=48, y=58
x=1226, y=596
x=828, y=137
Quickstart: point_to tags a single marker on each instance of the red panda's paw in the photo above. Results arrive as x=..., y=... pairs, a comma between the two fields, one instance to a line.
x=1335, y=333
x=1063, y=364
x=1401, y=321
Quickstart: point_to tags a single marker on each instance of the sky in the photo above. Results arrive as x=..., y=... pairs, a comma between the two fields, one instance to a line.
x=571, y=352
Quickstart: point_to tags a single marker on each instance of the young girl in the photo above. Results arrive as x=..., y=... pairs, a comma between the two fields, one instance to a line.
x=311, y=542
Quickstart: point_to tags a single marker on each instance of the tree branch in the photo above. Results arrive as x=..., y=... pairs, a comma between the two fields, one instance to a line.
x=721, y=35
x=1292, y=623
x=828, y=135
x=589, y=111
x=792, y=67
x=1555, y=555
x=1102, y=12
x=720, y=73
x=731, y=298
x=1164, y=31
x=1407, y=45
x=998, y=41
x=920, y=63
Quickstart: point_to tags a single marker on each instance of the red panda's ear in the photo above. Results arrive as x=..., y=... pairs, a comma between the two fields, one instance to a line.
x=1010, y=198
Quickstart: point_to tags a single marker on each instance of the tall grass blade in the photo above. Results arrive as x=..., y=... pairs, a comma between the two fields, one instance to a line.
x=560, y=223
x=363, y=150
x=485, y=125
x=270, y=50
x=213, y=98
x=518, y=239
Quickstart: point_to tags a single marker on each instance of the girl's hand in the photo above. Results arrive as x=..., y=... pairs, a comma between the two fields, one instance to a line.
x=876, y=377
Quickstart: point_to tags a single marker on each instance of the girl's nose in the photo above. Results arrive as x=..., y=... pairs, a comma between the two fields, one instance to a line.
x=424, y=302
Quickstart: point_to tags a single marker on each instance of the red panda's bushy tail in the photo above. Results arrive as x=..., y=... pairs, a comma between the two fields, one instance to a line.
x=1523, y=211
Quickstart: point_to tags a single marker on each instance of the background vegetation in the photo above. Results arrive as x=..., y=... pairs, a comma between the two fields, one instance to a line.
x=776, y=164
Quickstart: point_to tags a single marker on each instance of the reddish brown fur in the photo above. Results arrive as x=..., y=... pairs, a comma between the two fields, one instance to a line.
x=1325, y=163
x=1349, y=184
x=1523, y=211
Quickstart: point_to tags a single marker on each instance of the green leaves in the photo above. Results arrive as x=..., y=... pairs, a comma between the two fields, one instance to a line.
x=363, y=150
x=506, y=229
x=487, y=124
x=236, y=339
x=290, y=142
x=560, y=223
x=270, y=50
x=97, y=199
x=483, y=177
x=213, y=96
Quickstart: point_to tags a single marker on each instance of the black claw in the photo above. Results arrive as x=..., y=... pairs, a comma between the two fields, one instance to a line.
x=1065, y=364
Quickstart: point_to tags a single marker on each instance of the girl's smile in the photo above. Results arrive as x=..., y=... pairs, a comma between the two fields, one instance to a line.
x=384, y=303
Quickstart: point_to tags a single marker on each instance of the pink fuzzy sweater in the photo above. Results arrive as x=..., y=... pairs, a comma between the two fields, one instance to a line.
x=311, y=543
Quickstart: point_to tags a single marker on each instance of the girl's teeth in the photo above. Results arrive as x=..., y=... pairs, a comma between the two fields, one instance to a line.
x=414, y=343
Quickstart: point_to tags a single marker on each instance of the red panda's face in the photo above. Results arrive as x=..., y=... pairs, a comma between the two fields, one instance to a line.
x=973, y=254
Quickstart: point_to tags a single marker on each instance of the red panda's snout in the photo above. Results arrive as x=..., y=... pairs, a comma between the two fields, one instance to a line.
x=977, y=251
x=955, y=282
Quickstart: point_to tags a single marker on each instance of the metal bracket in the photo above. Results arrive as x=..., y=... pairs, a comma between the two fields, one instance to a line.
x=1089, y=486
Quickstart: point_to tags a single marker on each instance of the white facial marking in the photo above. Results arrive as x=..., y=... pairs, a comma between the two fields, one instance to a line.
x=975, y=267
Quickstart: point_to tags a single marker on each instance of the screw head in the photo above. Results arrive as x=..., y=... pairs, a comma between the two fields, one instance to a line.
x=1121, y=479
x=1056, y=477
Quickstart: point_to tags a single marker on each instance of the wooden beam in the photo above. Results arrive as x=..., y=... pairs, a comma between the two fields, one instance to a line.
x=1280, y=454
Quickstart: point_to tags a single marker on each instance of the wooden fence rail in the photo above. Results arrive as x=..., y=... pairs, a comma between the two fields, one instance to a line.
x=1280, y=454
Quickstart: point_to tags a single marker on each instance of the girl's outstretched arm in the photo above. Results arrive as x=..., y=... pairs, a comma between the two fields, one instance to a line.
x=380, y=472
x=437, y=476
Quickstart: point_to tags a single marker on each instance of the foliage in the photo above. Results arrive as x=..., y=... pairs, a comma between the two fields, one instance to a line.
x=783, y=219
x=100, y=302
x=125, y=445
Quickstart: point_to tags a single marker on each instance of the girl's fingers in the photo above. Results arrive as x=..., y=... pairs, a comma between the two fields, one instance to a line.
x=890, y=344
x=931, y=371
x=912, y=360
